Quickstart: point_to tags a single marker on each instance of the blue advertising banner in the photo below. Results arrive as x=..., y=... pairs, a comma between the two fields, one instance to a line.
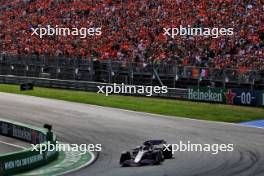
x=245, y=97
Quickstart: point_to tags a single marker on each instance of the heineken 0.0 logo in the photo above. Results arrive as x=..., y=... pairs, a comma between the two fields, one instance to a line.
x=205, y=94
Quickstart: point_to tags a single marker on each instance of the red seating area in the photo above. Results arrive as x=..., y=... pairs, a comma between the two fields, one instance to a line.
x=133, y=30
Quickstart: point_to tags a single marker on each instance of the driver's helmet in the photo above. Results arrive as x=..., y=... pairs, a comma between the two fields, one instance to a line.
x=147, y=146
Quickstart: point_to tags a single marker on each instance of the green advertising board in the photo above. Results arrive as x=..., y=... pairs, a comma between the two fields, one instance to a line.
x=27, y=159
x=262, y=98
x=206, y=94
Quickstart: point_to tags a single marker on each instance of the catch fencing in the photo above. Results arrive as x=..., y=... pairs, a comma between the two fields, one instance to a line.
x=168, y=73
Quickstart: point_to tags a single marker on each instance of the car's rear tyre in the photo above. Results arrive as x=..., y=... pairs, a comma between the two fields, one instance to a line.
x=157, y=158
x=162, y=156
x=168, y=153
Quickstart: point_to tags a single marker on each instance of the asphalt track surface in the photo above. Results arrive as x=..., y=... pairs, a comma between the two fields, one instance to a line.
x=4, y=149
x=8, y=145
x=119, y=130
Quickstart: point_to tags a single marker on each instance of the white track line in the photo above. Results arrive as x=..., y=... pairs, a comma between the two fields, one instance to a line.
x=14, y=145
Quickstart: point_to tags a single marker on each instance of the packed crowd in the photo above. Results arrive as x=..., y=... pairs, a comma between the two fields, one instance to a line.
x=133, y=30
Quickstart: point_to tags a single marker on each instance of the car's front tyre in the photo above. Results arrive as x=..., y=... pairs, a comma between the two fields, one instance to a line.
x=125, y=156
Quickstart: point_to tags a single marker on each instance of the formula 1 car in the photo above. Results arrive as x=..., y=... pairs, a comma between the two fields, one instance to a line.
x=161, y=145
x=151, y=152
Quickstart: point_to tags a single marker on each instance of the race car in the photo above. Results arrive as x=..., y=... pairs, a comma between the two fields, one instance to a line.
x=161, y=145
x=151, y=152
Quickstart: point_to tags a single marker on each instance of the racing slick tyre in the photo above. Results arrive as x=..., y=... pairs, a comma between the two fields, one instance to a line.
x=157, y=158
x=167, y=152
x=161, y=155
x=124, y=157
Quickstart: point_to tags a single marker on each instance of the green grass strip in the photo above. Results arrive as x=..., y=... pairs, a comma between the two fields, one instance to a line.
x=195, y=110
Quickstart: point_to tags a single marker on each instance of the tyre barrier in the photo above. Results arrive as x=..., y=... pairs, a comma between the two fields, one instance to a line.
x=27, y=159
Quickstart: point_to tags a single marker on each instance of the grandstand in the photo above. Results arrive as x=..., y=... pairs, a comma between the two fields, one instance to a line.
x=132, y=32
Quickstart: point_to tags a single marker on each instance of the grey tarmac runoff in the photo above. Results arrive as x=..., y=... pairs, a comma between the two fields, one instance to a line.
x=119, y=130
x=8, y=145
x=5, y=148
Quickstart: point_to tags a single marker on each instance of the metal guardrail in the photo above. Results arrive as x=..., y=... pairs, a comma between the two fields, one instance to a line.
x=253, y=98
x=80, y=85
